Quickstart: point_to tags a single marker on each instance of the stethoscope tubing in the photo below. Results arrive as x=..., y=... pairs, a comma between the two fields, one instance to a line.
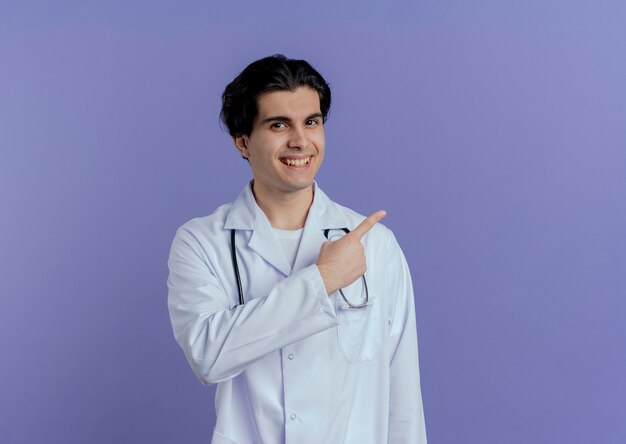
x=233, y=252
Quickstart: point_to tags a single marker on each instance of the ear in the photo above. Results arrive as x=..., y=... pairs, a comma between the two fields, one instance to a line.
x=241, y=143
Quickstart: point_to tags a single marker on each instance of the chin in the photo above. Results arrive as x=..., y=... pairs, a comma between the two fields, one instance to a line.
x=300, y=185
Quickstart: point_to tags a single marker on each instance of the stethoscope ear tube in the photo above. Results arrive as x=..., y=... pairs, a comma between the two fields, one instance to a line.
x=235, y=265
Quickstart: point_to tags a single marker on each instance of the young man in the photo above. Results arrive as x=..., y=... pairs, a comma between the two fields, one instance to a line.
x=306, y=346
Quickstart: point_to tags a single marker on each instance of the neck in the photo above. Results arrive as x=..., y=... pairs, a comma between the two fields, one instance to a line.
x=285, y=211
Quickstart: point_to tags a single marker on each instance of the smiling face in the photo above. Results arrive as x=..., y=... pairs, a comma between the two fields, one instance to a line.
x=286, y=145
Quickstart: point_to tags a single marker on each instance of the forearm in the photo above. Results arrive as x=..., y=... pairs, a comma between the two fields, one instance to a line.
x=220, y=343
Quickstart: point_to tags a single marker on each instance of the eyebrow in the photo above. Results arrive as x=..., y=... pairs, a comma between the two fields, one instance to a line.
x=288, y=119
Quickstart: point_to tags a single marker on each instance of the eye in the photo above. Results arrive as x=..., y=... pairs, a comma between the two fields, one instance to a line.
x=278, y=125
x=312, y=122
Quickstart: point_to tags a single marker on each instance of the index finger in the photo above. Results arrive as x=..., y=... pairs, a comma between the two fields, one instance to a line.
x=368, y=223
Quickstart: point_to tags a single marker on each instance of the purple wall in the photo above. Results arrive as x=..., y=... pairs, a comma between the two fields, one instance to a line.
x=494, y=135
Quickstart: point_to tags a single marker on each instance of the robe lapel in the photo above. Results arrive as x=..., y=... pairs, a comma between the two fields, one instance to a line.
x=263, y=241
x=323, y=214
x=246, y=215
x=312, y=240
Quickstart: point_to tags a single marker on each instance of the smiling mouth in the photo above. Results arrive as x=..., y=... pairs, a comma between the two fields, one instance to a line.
x=296, y=162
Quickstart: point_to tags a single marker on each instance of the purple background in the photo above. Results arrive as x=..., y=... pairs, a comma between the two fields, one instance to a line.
x=494, y=133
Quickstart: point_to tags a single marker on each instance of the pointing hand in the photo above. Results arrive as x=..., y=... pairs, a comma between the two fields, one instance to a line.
x=342, y=262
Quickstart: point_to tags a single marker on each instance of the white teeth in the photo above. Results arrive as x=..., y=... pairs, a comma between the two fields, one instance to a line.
x=297, y=162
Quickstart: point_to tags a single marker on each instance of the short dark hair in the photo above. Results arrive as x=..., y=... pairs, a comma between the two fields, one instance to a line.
x=273, y=73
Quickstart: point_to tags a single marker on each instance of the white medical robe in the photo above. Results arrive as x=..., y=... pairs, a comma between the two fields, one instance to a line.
x=294, y=365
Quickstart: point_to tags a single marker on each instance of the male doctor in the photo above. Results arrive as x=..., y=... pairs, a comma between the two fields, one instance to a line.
x=309, y=332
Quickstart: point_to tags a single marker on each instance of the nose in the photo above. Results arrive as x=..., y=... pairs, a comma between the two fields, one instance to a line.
x=297, y=138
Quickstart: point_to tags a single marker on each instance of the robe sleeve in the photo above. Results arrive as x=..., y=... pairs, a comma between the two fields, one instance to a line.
x=406, y=414
x=220, y=341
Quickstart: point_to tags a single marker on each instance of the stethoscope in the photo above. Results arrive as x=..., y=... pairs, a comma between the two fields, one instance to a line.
x=233, y=254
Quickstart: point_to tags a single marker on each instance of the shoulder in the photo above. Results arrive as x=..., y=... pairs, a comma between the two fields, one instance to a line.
x=211, y=221
x=380, y=234
x=202, y=229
